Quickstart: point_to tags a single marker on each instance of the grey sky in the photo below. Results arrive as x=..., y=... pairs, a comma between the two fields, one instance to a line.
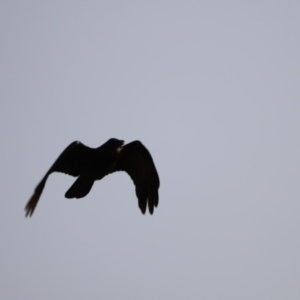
x=212, y=89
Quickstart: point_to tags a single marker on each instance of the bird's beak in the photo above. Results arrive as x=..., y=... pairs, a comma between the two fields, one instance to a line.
x=121, y=143
x=119, y=149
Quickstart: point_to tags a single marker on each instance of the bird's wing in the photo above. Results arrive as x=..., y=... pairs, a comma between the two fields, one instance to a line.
x=136, y=160
x=70, y=161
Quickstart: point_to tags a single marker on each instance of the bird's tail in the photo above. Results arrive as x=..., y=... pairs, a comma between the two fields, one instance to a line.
x=80, y=188
x=33, y=201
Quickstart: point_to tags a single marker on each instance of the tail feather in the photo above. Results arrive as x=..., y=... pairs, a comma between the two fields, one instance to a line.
x=80, y=188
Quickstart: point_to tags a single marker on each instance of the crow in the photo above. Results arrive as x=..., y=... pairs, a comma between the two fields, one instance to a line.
x=91, y=164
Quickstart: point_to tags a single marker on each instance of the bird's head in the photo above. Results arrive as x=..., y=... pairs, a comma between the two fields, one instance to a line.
x=114, y=143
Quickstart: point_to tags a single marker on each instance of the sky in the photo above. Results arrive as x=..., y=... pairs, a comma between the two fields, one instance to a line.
x=211, y=88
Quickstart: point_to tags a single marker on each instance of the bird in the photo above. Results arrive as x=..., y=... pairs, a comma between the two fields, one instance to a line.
x=91, y=164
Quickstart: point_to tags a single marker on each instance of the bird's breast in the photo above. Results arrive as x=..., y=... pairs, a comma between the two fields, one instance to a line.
x=101, y=165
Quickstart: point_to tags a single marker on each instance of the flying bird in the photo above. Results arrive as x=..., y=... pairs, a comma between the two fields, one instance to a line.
x=91, y=164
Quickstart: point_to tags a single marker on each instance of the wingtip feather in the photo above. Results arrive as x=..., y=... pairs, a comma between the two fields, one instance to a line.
x=31, y=204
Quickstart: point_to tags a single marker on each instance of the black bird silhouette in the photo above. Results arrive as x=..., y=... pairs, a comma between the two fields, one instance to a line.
x=90, y=164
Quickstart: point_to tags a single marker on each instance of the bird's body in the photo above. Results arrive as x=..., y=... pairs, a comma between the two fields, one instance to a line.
x=91, y=164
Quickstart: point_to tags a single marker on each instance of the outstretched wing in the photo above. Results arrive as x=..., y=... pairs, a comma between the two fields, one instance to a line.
x=71, y=161
x=136, y=160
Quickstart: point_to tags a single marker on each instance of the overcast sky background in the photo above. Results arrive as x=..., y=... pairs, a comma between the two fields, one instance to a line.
x=212, y=89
